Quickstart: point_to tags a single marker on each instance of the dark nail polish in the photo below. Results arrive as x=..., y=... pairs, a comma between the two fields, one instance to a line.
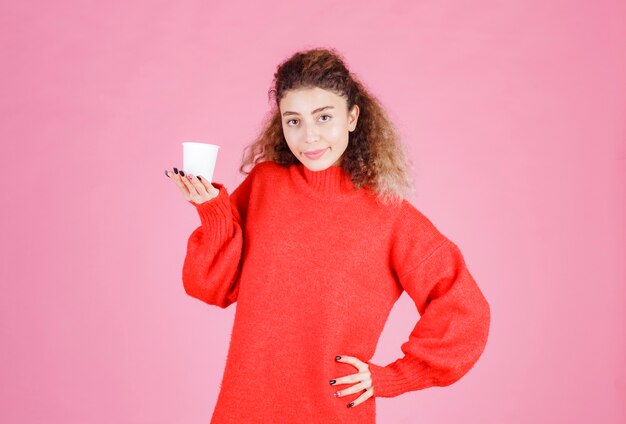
x=351, y=404
x=199, y=177
x=175, y=171
x=182, y=174
x=332, y=382
x=337, y=358
x=166, y=174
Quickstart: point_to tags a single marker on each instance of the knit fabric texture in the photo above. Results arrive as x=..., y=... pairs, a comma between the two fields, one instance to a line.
x=314, y=267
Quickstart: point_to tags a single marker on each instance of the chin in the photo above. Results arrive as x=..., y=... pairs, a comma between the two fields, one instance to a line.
x=322, y=164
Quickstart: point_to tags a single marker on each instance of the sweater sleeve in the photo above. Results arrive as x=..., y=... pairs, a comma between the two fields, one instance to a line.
x=452, y=331
x=213, y=260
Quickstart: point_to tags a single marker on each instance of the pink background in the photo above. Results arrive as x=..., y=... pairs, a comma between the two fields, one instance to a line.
x=514, y=116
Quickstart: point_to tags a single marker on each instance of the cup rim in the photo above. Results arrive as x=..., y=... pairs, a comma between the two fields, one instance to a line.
x=199, y=142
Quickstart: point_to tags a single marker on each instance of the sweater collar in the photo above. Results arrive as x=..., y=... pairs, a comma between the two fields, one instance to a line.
x=332, y=182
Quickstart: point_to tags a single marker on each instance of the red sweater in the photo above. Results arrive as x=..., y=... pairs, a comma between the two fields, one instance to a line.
x=315, y=267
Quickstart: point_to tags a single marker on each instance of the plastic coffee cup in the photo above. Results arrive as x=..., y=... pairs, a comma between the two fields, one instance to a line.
x=200, y=159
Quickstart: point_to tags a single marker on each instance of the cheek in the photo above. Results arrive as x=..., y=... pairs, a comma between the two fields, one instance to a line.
x=292, y=141
x=338, y=133
x=290, y=133
x=287, y=134
x=340, y=126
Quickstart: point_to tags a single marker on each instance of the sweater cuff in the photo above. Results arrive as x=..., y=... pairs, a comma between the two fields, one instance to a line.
x=403, y=375
x=213, y=212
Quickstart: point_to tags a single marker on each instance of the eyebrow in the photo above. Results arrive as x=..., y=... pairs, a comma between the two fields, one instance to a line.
x=312, y=113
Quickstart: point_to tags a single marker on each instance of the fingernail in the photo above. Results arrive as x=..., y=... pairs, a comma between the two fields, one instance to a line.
x=189, y=177
x=166, y=174
x=182, y=174
x=199, y=177
x=175, y=171
x=351, y=404
x=337, y=358
x=337, y=394
x=332, y=382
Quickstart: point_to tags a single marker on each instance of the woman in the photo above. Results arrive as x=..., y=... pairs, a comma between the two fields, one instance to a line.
x=315, y=246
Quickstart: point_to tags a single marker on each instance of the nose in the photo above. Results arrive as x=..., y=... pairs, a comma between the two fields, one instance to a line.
x=311, y=134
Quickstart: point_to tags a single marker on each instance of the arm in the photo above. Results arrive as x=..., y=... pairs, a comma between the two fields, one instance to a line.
x=452, y=331
x=213, y=261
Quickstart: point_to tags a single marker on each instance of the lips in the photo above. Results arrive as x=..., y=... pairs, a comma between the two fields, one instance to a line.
x=314, y=154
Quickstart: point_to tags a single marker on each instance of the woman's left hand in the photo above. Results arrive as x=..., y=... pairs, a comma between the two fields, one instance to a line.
x=362, y=378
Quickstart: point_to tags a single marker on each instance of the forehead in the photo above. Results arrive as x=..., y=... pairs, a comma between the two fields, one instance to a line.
x=304, y=100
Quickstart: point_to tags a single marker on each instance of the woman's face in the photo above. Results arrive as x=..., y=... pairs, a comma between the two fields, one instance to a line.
x=317, y=119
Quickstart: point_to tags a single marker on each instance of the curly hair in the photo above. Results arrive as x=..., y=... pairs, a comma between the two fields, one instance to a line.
x=375, y=157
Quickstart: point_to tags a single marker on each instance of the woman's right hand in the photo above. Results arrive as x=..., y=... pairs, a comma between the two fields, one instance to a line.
x=194, y=189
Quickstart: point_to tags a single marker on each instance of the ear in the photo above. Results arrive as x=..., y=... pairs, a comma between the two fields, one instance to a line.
x=353, y=117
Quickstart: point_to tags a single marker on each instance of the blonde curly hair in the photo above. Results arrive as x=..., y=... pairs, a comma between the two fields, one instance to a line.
x=375, y=157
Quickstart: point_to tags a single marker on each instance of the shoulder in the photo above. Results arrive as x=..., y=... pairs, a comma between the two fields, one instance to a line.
x=410, y=218
x=258, y=170
x=260, y=177
x=267, y=172
x=414, y=235
x=267, y=167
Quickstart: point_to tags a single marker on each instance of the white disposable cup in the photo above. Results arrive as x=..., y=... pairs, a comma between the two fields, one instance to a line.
x=200, y=159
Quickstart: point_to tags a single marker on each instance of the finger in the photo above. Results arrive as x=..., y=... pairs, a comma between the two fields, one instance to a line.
x=197, y=185
x=179, y=183
x=204, y=187
x=363, y=385
x=352, y=378
x=192, y=190
x=358, y=364
x=366, y=395
x=210, y=188
x=207, y=185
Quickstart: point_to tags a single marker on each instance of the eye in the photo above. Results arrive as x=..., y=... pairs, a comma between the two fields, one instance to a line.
x=326, y=115
x=291, y=120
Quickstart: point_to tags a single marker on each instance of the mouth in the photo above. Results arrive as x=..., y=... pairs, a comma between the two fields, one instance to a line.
x=314, y=154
